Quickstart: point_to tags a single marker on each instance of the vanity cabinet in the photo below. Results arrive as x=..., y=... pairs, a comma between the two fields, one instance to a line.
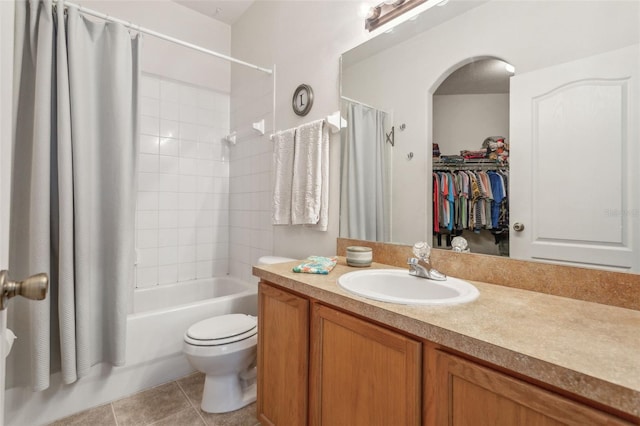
x=322, y=366
x=361, y=373
x=283, y=357
x=468, y=394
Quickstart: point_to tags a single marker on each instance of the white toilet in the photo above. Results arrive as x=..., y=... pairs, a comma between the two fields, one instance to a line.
x=224, y=349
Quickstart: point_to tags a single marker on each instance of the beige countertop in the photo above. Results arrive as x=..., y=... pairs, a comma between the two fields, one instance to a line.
x=586, y=348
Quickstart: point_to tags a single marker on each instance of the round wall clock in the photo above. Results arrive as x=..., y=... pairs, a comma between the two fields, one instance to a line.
x=302, y=99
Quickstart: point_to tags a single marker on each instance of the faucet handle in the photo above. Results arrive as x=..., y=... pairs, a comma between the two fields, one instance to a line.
x=422, y=251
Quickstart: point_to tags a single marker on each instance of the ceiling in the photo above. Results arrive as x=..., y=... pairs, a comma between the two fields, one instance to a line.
x=227, y=11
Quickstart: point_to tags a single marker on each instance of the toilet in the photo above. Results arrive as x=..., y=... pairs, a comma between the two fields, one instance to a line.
x=224, y=349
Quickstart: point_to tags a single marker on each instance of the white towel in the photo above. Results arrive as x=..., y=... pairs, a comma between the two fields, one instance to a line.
x=310, y=189
x=283, y=147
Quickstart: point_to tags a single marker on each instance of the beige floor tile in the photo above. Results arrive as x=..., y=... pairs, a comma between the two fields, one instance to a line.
x=243, y=417
x=150, y=406
x=99, y=416
x=193, y=385
x=186, y=417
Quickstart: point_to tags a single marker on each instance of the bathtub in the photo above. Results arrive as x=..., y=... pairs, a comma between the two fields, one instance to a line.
x=155, y=331
x=162, y=314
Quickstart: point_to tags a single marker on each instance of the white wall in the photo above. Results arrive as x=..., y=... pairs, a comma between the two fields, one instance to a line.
x=304, y=40
x=464, y=121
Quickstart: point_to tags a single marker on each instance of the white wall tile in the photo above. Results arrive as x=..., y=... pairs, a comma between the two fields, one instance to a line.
x=147, y=277
x=170, y=146
x=187, y=271
x=147, y=257
x=148, y=163
x=167, y=219
x=146, y=238
x=149, y=144
x=150, y=107
x=182, y=202
x=147, y=181
x=168, y=255
x=169, y=128
x=147, y=219
x=204, y=269
x=168, y=182
x=168, y=201
x=168, y=164
x=147, y=201
x=168, y=238
x=168, y=274
x=169, y=111
x=187, y=254
x=189, y=148
x=189, y=131
x=149, y=125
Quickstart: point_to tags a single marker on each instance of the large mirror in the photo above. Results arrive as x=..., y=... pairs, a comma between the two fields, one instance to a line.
x=569, y=125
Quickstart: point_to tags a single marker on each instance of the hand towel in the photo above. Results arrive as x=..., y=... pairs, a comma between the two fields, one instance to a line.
x=316, y=265
x=310, y=188
x=283, y=148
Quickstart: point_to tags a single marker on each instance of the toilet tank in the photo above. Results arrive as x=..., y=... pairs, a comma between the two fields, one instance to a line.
x=270, y=260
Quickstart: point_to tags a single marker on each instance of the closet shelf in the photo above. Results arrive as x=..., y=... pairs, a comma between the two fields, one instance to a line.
x=471, y=164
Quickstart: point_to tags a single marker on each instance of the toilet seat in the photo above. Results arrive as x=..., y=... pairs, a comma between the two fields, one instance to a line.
x=222, y=330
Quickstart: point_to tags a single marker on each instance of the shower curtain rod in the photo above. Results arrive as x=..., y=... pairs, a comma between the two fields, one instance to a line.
x=353, y=101
x=156, y=34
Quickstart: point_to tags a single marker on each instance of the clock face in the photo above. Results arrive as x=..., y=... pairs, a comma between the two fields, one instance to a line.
x=302, y=99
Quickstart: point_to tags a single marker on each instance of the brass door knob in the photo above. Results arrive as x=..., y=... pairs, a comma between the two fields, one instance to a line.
x=35, y=287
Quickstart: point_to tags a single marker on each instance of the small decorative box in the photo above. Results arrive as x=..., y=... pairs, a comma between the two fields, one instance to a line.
x=359, y=256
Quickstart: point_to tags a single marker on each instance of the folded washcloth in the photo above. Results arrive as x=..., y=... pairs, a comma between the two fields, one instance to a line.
x=316, y=265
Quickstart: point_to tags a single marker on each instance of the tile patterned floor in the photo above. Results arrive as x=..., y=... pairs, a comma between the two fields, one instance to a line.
x=172, y=404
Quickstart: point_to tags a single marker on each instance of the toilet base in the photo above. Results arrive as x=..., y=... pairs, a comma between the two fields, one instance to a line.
x=226, y=393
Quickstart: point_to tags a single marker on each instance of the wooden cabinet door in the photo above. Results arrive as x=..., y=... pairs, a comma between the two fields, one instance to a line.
x=283, y=357
x=469, y=394
x=362, y=374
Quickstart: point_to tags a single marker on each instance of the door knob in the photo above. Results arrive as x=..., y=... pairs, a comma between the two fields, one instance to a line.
x=518, y=227
x=34, y=288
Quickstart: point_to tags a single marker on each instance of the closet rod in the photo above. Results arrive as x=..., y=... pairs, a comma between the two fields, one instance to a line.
x=156, y=34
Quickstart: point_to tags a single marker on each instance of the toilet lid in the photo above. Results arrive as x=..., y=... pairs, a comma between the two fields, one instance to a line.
x=223, y=329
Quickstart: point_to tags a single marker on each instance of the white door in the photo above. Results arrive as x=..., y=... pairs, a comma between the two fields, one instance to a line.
x=6, y=71
x=574, y=145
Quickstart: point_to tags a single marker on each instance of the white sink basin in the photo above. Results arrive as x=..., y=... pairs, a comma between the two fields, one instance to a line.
x=397, y=286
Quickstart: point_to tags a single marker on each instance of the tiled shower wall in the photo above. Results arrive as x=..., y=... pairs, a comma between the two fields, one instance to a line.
x=182, y=213
x=251, y=232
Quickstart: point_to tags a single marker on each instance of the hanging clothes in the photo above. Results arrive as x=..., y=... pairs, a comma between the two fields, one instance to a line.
x=469, y=200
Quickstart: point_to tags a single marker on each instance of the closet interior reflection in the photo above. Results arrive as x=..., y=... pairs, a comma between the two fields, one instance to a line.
x=471, y=157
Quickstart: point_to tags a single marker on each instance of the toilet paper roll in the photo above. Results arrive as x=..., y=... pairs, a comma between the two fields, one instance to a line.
x=9, y=337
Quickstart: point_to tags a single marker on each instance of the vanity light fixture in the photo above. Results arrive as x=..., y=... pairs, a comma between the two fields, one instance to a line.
x=388, y=10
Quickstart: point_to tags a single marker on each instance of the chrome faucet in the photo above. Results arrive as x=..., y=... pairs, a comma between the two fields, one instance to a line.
x=419, y=266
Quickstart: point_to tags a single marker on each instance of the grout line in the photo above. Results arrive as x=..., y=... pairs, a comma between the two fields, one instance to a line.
x=113, y=410
x=191, y=403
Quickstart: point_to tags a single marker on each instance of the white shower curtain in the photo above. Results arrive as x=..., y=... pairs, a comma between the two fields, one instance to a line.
x=73, y=195
x=365, y=177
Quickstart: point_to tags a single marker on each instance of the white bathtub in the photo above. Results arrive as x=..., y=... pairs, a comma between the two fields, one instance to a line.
x=162, y=314
x=154, y=349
